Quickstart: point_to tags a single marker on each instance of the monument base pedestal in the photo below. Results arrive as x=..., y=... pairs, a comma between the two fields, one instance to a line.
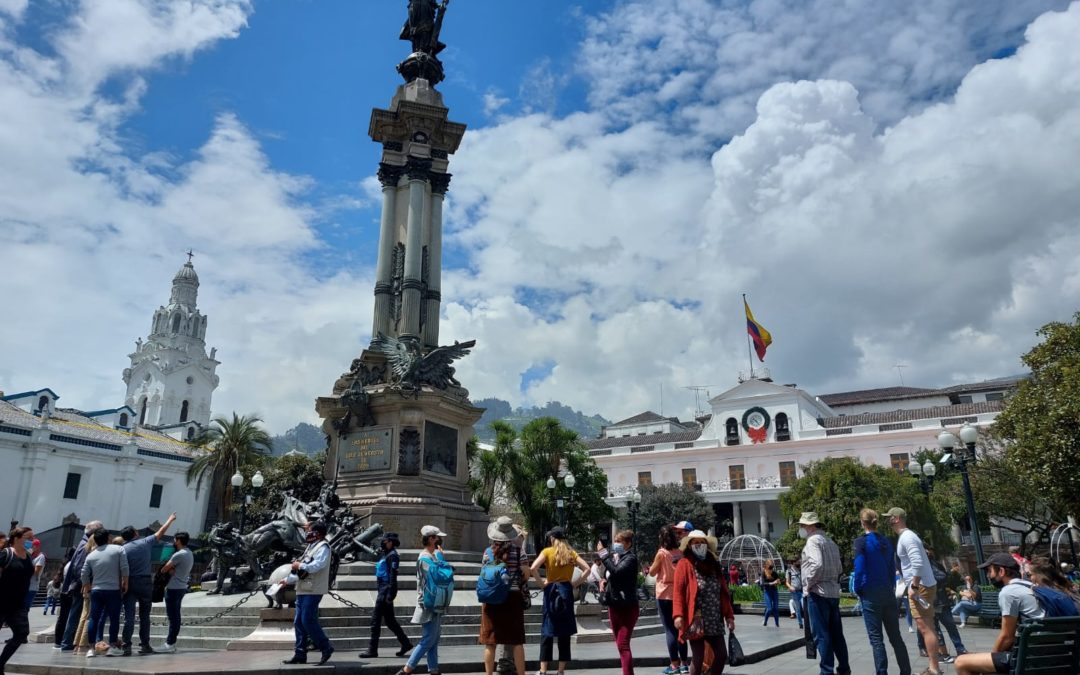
x=399, y=457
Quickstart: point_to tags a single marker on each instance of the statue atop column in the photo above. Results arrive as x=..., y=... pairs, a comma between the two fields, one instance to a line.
x=421, y=29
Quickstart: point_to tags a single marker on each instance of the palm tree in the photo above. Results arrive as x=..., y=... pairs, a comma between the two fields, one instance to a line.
x=227, y=446
x=491, y=468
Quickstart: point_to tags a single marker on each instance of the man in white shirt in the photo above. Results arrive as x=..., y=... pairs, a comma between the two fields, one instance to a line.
x=1017, y=601
x=922, y=587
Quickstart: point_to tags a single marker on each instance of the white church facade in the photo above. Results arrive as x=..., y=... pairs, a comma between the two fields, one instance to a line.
x=124, y=465
x=759, y=435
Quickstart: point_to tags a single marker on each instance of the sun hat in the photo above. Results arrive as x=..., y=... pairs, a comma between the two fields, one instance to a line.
x=809, y=518
x=698, y=534
x=502, y=530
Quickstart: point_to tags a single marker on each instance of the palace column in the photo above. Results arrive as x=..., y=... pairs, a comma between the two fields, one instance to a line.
x=412, y=286
x=384, y=270
x=440, y=183
x=763, y=519
x=736, y=518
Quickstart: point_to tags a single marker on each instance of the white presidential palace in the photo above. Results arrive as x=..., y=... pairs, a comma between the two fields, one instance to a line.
x=124, y=465
x=746, y=452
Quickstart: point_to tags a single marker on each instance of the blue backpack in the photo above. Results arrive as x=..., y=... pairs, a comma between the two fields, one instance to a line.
x=438, y=583
x=1053, y=602
x=493, y=584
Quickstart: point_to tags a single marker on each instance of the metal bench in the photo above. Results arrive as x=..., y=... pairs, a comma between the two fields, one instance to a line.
x=990, y=612
x=1048, y=647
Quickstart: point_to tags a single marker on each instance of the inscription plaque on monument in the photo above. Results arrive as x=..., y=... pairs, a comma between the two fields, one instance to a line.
x=366, y=450
x=440, y=449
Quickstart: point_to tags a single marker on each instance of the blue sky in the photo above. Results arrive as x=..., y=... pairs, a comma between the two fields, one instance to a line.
x=631, y=168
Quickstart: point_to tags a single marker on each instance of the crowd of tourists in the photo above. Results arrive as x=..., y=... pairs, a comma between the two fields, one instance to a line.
x=103, y=581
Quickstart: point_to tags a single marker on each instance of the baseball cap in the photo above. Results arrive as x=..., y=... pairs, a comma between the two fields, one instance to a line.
x=428, y=530
x=37, y=542
x=896, y=512
x=684, y=525
x=1001, y=560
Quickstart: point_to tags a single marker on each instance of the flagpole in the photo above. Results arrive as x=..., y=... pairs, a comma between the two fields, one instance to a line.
x=749, y=353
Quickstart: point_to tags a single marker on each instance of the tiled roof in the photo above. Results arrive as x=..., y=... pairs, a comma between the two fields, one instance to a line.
x=883, y=394
x=73, y=423
x=641, y=418
x=941, y=411
x=995, y=384
x=648, y=439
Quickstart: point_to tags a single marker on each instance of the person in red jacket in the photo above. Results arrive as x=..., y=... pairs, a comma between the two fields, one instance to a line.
x=701, y=603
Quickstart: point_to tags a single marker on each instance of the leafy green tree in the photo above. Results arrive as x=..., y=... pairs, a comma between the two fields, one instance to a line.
x=839, y=487
x=226, y=445
x=1040, y=425
x=299, y=474
x=489, y=468
x=545, y=449
x=665, y=505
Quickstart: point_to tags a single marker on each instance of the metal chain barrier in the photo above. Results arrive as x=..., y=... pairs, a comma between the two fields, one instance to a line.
x=344, y=601
x=214, y=617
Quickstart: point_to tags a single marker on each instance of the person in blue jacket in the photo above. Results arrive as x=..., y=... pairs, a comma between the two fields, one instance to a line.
x=386, y=575
x=873, y=583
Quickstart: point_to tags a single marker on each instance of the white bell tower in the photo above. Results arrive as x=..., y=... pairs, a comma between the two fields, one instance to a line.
x=171, y=378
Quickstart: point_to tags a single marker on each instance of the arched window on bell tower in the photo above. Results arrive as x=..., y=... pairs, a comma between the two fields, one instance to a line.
x=43, y=404
x=142, y=412
x=731, y=427
x=176, y=323
x=184, y=411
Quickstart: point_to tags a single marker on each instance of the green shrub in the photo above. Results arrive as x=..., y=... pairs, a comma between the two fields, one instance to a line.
x=746, y=594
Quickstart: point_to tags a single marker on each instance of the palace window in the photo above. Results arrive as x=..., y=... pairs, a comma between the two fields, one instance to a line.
x=155, y=495
x=71, y=486
x=997, y=396
x=689, y=477
x=963, y=399
x=787, y=474
x=899, y=461
x=123, y=419
x=644, y=478
x=737, y=476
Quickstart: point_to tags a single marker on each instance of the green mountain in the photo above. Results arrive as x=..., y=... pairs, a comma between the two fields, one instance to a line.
x=587, y=426
x=309, y=439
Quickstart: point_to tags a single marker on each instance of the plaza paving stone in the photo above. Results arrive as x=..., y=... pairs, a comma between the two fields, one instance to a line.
x=597, y=659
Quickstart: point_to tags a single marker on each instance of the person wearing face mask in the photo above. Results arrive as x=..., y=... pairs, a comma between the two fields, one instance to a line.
x=622, y=600
x=18, y=568
x=701, y=603
x=663, y=569
x=312, y=572
x=821, y=569
x=38, y=558
x=386, y=575
x=1017, y=602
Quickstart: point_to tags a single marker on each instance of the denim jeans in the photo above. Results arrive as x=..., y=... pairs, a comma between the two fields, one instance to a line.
x=772, y=605
x=174, y=597
x=797, y=597
x=74, y=614
x=104, y=603
x=140, y=591
x=828, y=634
x=429, y=645
x=306, y=625
x=678, y=652
x=966, y=608
x=30, y=596
x=879, y=610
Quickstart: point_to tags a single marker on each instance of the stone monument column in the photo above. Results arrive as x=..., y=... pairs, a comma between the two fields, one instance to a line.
x=389, y=176
x=397, y=423
x=412, y=287
x=440, y=182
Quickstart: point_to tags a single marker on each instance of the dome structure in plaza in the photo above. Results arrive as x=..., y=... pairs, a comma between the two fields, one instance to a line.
x=750, y=552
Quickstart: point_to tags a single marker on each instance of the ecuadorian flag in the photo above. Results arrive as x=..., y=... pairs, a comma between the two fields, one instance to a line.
x=761, y=337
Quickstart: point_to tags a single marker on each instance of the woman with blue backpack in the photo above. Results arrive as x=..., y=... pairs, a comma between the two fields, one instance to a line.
x=501, y=589
x=559, y=622
x=434, y=590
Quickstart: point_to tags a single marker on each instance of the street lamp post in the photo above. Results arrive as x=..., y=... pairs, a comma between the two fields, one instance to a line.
x=560, y=501
x=925, y=474
x=633, y=503
x=237, y=481
x=960, y=458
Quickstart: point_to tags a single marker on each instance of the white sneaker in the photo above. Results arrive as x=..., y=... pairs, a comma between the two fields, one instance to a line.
x=114, y=651
x=91, y=653
x=166, y=649
x=963, y=625
x=910, y=629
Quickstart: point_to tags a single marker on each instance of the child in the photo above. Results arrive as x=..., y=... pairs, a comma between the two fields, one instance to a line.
x=52, y=593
